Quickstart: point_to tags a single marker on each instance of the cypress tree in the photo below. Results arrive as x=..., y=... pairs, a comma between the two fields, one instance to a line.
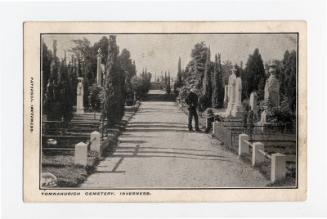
x=255, y=74
x=112, y=85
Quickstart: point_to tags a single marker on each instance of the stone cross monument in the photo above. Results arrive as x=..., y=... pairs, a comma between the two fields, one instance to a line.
x=80, y=95
x=99, y=69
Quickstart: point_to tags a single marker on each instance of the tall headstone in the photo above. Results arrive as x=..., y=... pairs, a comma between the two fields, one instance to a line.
x=237, y=106
x=234, y=95
x=254, y=102
x=230, y=94
x=226, y=95
x=272, y=88
x=99, y=69
x=80, y=96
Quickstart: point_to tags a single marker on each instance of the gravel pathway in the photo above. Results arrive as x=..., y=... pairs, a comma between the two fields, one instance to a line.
x=157, y=151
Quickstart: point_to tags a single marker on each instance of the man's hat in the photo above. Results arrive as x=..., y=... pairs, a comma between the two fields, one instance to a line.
x=210, y=113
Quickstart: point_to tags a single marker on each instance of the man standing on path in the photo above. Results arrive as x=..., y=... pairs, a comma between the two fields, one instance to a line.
x=192, y=102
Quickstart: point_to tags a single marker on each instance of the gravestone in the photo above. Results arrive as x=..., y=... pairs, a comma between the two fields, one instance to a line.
x=226, y=96
x=99, y=68
x=230, y=94
x=234, y=96
x=95, y=139
x=272, y=88
x=254, y=102
x=237, y=106
x=80, y=96
x=80, y=157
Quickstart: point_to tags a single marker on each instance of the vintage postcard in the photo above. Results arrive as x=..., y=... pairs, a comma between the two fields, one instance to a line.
x=165, y=111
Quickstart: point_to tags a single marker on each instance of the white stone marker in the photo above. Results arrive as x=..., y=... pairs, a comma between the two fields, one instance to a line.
x=243, y=148
x=80, y=96
x=278, y=166
x=95, y=139
x=257, y=156
x=81, y=154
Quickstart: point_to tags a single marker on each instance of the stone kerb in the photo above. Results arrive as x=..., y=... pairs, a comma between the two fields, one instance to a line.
x=80, y=157
x=243, y=147
x=257, y=156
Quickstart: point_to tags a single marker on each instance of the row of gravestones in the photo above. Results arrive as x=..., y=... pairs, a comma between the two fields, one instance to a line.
x=81, y=149
x=233, y=94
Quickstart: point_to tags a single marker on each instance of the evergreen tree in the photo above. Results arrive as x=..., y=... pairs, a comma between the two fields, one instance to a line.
x=255, y=74
x=288, y=78
x=112, y=85
x=217, y=98
x=206, y=82
x=179, y=81
x=168, y=88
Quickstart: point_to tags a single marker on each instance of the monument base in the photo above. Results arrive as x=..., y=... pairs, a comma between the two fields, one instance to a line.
x=80, y=111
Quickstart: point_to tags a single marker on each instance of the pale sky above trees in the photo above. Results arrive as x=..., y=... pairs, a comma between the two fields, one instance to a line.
x=160, y=52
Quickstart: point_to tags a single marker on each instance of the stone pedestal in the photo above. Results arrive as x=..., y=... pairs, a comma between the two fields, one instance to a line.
x=95, y=139
x=80, y=96
x=80, y=157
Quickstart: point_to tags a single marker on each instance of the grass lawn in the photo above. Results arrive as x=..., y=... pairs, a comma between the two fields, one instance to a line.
x=68, y=174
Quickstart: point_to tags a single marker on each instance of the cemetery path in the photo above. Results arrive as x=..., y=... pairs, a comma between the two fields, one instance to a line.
x=157, y=151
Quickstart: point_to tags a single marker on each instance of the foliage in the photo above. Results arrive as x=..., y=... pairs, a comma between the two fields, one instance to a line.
x=168, y=88
x=141, y=84
x=179, y=82
x=206, y=80
x=58, y=99
x=254, y=75
x=112, y=109
x=288, y=78
x=96, y=97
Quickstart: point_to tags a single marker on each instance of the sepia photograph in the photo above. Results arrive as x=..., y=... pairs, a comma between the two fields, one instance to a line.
x=140, y=112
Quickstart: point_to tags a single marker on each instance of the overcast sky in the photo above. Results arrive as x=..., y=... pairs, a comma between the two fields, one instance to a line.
x=160, y=52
